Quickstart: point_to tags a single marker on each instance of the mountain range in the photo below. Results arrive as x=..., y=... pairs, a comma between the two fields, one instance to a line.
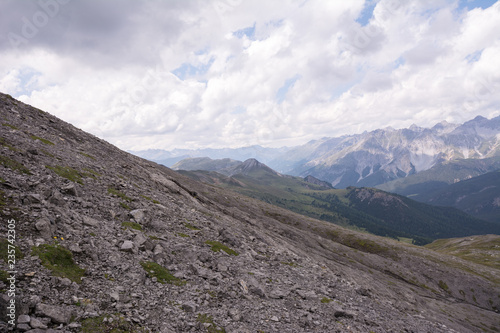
x=367, y=209
x=371, y=158
x=106, y=241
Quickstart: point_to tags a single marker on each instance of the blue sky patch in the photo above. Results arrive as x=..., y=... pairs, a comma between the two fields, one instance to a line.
x=281, y=94
x=248, y=31
x=471, y=4
x=474, y=57
x=367, y=13
x=187, y=70
x=29, y=81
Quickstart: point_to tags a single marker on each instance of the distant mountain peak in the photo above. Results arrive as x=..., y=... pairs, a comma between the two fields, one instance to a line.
x=252, y=164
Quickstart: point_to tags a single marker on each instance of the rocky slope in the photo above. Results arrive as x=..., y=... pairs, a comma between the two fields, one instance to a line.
x=108, y=241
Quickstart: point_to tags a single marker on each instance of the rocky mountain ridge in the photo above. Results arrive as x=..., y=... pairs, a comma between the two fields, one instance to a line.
x=107, y=241
x=371, y=158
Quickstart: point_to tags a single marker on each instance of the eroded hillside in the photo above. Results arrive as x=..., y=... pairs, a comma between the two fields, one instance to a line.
x=107, y=240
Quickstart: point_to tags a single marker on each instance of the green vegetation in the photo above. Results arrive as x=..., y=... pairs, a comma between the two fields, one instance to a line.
x=484, y=250
x=59, y=260
x=180, y=234
x=10, y=126
x=114, y=191
x=291, y=264
x=67, y=172
x=4, y=250
x=5, y=144
x=443, y=286
x=207, y=319
x=125, y=206
x=91, y=173
x=325, y=300
x=161, y=273
x=132, y=225
x=150, y=199
x=361, y=209
x=217, y=246
x=14, y=165
x=190, y=226
x=45, y=141
x=4, y=276
x=117, y=325
x=87, y=155
x=47, y=153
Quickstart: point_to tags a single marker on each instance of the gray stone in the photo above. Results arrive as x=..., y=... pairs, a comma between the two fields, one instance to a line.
x=90, y=221
x=127, y=246
x=59, y=315
x=158, y=249
x=69, y=189
x=138, y=215
x=23, y=319
x=115, y=296
x=35, y=323
x=23, y=327
x=189, y=307
x=75, y=248
x=45, y=228
x=140, y=239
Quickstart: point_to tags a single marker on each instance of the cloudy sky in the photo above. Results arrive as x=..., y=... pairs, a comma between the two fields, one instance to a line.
x=230, y=73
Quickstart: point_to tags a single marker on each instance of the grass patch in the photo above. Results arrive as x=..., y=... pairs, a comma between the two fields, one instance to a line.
x=91, y=173
x=291, y=264
x=14, y=165
x=4, y=250
x=4, y=143
x=180, y=234
x=218, y=246
x=59, y=260
x=325, y=300
x=67, y=172
x=114, y=191
x=10, y=126
x=443, y=286
x=132, y=225
x=118, y=324
x=150, y=199
x=125, y=206
x=366, y=245
x=162, y=274
x=190, y=226
x=204, y=318
x=4, y=276
x=87, y=155
x=44, y=141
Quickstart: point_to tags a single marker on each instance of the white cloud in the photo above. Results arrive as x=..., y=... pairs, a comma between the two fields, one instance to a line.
x=177, y=74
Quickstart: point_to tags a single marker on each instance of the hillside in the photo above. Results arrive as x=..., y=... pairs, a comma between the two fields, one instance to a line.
x=484, y=250
x=109, y=242
x=375, y=211
x=478, y=196
x=440, y=176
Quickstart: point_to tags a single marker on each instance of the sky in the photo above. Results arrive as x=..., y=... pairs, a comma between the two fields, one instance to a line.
x=232, y=73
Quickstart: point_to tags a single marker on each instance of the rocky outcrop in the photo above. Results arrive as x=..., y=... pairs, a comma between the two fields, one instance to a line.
x=108, y=241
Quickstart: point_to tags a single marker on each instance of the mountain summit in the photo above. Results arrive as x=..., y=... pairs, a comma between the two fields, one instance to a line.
x=109, y=242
